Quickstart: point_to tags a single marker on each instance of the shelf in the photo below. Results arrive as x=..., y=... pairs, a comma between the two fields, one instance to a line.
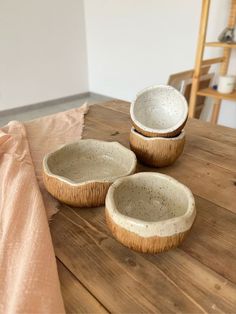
x=219, y=44
x=209, y=92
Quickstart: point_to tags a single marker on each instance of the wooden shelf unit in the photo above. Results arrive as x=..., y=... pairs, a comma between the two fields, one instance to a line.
x=210, y=92
x=199, y=62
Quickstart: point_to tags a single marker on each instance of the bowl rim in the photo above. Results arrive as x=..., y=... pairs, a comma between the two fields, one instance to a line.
x=174, y=138
x=157, y=228
x=159, y=131
x=49, y=173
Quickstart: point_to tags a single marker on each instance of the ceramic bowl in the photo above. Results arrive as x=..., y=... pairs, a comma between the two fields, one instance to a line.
x=157, y=151
x=149, y=212
x=79, y=174
x=159, y=111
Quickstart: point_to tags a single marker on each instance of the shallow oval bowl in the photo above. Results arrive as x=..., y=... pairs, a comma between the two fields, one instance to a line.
x=159, y=110
x=79, y=174
x=149, y=212
x=157, y=151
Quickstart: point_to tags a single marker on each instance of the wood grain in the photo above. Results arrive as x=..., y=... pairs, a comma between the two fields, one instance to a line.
x=76, y=298
x=200, y=128
x=206, y=149
x=218, y=133
x=205, y=179
x=198, y=277
x=220, y=44
x=98, y=262
x=175, y=266
x=199, y=56
x=213, y=234
x=192, y=167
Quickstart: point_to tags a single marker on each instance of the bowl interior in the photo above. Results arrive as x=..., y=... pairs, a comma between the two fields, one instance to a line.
x=150, y=198
x=160, y=108
x=91, y=160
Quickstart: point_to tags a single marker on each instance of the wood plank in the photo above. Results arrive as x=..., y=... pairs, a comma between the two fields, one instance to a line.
x=217, y=153
x=199, y=56
x=213, y=238
x=217, y=133
x=197, y=127
x=220, y=44
x=213, y=61
x=101, y=115
x=210, y=92
x=205, y=179
x=202, y=285
x=104, y=129
x=198, y=277
x=206, y=149
x=118, y=105
x=76, y=298
x=213, y=292
x=213, y=234
x=119, y=286
x=190, y=169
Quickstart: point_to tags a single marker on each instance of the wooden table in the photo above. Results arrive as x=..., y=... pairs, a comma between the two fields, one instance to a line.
x=99, y=275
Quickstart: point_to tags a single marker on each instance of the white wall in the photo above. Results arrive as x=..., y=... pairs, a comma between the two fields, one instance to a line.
x=135, y=43
x=42, y=51
x=130, y=43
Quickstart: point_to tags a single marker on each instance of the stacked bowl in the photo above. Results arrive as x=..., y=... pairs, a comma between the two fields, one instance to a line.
x=158, y=114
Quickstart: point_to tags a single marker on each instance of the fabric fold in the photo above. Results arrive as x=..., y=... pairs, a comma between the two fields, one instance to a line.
x=29, y=280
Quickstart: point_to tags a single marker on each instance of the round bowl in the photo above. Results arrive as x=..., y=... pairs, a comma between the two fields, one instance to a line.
x=159, y=110
x=149, y=212
x=79, y=174
x=157, y=151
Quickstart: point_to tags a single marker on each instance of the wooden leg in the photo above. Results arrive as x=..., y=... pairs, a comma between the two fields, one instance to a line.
x=215, y=111
x=223, y=71
x=198, y=61
x=225, y=64
x=193, y=97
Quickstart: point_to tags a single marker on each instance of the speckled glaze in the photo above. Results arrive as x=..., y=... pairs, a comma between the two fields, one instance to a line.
x=149, y=206
x=157, y=151
x=159, y=110
x=80, y=173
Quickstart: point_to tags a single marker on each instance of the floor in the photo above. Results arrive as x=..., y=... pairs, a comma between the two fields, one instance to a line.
x=33, y=113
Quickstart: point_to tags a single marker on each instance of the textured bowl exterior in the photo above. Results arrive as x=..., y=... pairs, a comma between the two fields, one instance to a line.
x=135, y=242
x=88, y=192
x=157, y=196
x=156, y=134
x=156, y=152
x=91, y=194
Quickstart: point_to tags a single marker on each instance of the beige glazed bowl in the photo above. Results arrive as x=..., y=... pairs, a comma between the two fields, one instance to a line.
x=149, y=212
x=157, y=151
x=79, y=174
x=159, y=110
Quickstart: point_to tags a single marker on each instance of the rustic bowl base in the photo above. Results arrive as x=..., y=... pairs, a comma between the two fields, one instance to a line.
x=144, y=245
x=157, y=151
x=92, y=194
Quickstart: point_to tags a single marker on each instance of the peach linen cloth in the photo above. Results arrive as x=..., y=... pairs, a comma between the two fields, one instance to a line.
x=29, y=280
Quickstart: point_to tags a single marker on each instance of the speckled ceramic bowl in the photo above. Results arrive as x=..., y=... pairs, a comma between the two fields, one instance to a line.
x=157, y=151
x=79, y=174
x=149, y=212
x=159, y=111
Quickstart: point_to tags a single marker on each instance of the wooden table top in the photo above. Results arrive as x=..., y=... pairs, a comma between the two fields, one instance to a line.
x=99, y=275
